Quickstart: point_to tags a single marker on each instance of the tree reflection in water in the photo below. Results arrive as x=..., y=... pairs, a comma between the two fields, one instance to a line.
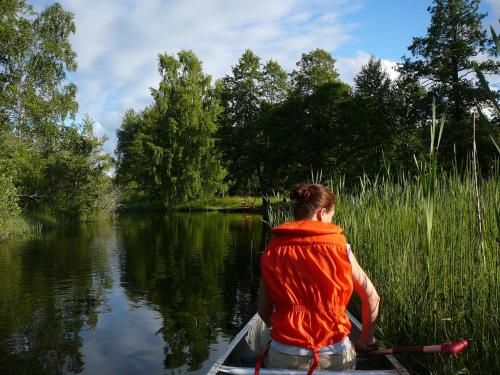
x=87, y=299
x=48, y=295
x=201, y=273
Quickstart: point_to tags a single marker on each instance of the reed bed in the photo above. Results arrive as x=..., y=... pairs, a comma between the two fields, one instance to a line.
x=436, y=284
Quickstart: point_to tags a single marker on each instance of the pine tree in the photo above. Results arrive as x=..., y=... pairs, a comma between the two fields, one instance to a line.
x=373, y=82
x=443, y=61
x=369, y=141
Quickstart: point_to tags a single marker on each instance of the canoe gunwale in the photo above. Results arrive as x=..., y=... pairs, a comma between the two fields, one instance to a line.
x=220, y=368
x=217, y=366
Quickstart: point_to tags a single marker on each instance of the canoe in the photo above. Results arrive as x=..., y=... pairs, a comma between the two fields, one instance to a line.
x=238, y=359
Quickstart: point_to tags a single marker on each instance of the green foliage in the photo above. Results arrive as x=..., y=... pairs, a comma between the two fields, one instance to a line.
x=168, y=150
x=373, y=82
x=134, y=175
x=444, y=60
x=9, y=208
x=35, y=55
x=273, y=127
x=262, y=109
x=53, y=164
x=489, y=126
x=75, y=176
x=275, y=84
x=241, y=135
x=314, y=70
x=373, y=127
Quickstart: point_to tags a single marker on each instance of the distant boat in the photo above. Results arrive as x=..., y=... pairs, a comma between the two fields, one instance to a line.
x=240, y=360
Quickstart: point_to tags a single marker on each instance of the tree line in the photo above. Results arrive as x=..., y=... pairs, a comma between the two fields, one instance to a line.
x=49, y=162
x=260, y=129
x=257, y=130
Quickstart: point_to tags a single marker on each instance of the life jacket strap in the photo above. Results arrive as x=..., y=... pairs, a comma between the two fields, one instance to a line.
x=259, y=362
x=315, y=362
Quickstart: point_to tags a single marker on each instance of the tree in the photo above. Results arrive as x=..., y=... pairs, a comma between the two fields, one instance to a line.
x=249, y=96
x=308, y=128
x=9, y=207
x=275, y=85
x=134, y=174
x=372, y=124
x=373, y=82
x=411, y=110
x=35, y=54
x=51, y=161
x=275, y=90
x=443, y=60
x=314, y=69
x=240, y=135
x=170, y=147
x=75, y=181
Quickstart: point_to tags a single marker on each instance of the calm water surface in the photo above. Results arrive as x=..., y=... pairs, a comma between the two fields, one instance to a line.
x=138, y=295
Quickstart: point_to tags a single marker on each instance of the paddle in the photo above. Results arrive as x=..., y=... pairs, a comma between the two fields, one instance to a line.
x=444, y=349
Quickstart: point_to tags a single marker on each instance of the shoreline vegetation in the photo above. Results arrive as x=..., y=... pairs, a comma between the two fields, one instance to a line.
x=257, y=130
x=229, y=203
x=207, y=204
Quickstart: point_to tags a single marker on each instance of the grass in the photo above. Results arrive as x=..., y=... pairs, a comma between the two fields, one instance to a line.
x=17, y=227
x=430, y=296
x=216, y=203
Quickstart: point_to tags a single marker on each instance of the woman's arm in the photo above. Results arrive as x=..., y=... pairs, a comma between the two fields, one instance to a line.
x=370, y=301
x=265, y=308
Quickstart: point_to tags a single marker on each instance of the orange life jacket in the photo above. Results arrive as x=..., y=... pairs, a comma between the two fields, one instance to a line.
x=308, y=276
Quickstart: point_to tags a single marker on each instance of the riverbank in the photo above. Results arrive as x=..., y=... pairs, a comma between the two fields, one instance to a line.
x=35, y=223
x=222, y=204
x=26, y=225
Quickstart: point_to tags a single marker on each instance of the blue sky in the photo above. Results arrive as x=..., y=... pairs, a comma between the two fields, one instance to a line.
x=117, y=41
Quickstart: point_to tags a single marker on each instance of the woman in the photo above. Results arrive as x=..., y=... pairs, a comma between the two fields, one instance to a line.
x=308, y=274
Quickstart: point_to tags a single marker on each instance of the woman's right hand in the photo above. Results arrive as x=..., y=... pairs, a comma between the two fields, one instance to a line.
x=364, y=345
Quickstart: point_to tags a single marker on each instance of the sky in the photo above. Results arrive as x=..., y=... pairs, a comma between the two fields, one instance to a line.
x=118, y=41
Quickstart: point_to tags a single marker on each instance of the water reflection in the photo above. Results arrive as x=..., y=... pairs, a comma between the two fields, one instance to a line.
x=50, y=291
x=143, y=294
x=197, y=271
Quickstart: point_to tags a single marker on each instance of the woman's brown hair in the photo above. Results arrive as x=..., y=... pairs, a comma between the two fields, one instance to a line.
x=309, y=198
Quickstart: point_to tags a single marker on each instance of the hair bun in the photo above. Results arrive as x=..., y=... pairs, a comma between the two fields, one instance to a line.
x=301, y=192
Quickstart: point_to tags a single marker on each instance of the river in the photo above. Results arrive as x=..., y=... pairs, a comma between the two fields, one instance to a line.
x=140, y=294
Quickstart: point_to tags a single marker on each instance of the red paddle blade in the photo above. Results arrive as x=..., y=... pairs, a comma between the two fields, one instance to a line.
x=454, y=348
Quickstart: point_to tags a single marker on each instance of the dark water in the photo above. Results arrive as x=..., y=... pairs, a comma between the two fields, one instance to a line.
x=137, y=295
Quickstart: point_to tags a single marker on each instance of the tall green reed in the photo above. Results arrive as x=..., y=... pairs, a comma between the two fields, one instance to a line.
x=387, y=224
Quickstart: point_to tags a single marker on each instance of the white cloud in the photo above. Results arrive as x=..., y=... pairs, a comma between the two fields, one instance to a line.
x=390, y=67
x=98, y=129
x=349, y=67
